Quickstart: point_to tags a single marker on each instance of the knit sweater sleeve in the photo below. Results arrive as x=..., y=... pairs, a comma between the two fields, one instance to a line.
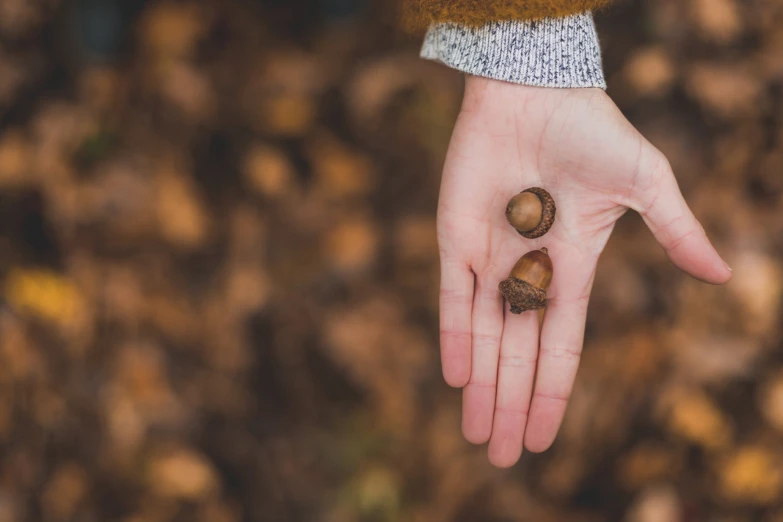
x=551, y=52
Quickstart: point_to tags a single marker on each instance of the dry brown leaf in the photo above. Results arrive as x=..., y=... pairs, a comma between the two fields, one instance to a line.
x=125, y=423
x=101, y=87
x=18, y=17
x=187, y=89
x=377, y=83
x=12, y=78
x=289, y=114
x=770, y=57
x=657, y=504
x=620, y=287
x=122, y=199
x=375, y=493
x=728, y=91
x=247, y=289
x=182, y=218
x=6, y=419
x=650, y=71
x=340, y=171
x=15, y=160
x=122, y=295
x=219, y=512
x=64, y=491
x=172, y=29
x=293, y=71
x=718, y=20
x=141, y=372
x=19, y=356
x=10, y=508
x=268, y=171
x=352, y=245
x=366, y=340
x=771, y=401
x=758, y=285
x=382, y=353
x=415, y=239
x=646, y=463
x=694, y=416
x=48, y=407
x=183, y=474
x=248, y=233
x=563, y=475
x=45, y=294
x=713, y=357
x=752, y=474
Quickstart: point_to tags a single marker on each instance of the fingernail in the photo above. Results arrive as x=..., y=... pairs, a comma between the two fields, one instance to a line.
x=727, y=266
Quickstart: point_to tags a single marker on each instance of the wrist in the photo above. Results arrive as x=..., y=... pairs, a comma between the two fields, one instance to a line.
x=488, y=94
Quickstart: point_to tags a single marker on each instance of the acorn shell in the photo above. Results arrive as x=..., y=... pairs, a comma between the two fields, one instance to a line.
x=524, y=211
x=522, y=296
x=534, y=268
x=548, y=212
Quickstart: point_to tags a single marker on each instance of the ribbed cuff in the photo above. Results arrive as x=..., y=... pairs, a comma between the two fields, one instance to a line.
x=560, y=52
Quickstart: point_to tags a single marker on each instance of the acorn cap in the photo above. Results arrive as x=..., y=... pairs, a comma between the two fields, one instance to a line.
x=519, y=208
x=522, y=296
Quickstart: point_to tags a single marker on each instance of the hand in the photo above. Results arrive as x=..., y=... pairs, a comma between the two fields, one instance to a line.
x=577, y=145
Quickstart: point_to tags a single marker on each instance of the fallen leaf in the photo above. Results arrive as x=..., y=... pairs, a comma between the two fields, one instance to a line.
x=650, y=71
x=752, y=474
x=694, y=416
x=268, y=171
x=45, y=294
x=182, y=474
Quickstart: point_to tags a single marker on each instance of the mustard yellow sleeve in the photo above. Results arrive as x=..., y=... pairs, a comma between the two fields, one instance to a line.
x=478, y=12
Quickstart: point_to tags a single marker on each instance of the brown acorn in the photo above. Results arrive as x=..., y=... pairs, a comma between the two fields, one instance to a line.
x=525, y=289
x=531, y=212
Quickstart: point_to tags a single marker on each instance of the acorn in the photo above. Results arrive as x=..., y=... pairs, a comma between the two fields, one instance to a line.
x=525, y=289
x=531, y=212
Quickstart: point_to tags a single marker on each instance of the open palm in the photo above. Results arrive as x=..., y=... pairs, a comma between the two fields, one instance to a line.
x=577, y=145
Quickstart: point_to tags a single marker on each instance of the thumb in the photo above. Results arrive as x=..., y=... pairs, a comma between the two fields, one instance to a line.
x=676, y=228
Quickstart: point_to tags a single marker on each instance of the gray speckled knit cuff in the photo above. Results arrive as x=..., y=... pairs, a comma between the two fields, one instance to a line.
x=560, y=52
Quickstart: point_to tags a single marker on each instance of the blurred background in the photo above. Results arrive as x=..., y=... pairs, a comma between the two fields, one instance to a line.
x=219, y=273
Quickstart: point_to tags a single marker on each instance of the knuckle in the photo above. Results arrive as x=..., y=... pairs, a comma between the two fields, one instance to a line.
x=659, y=164
x=485, y=341
x=454, y=335
x=512, y=411
x=581, y=300
x=507, y=361
x=557, y=397
x=561, y=353
x=650, y=185
x=449, y=296
x=678, y=231
x=481, y=383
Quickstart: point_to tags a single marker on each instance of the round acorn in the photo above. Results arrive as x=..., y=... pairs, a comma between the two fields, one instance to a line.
x=531, y=212
x=525, y=289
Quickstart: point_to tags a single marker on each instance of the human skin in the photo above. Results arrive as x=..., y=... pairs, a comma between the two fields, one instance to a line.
x=576, y=144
